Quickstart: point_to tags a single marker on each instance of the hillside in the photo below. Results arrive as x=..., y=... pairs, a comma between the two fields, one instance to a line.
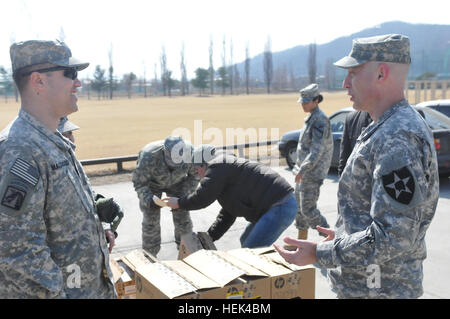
x=430, y=50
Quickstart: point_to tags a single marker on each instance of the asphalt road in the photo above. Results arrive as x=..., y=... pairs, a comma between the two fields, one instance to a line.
x=436, y=266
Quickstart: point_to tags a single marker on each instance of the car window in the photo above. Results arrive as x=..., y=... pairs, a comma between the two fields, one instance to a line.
x=337, y=122
x=442, y=108
x=436, y=120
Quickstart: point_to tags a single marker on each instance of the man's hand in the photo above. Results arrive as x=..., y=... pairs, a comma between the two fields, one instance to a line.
x=111, y=239
x=305, y=254
x=172, y=202
x=327, y=231
x=298, y=178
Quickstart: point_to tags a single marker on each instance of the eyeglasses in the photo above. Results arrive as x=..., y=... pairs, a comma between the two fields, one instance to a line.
x=71, y=73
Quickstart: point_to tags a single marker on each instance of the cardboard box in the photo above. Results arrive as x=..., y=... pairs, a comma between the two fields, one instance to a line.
x=123, y=279
x=299, y=282
x=205, y=274
x=211, y=274
x=123, y=269
x=192, y=242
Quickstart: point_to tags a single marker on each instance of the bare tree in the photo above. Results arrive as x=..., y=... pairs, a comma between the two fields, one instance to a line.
x=99, y=82
x=268, y=64
x=211, y=66
x=163, y=62
x=62, y=35
x=128, y=80
x=230, y=68
x=312, y=64
x=144, y=79
x=12, y=39
x=155, y=82
x=330, y=74
x=110, y=73
x=237, y=79
x=223, y=72
x=184, y=82
x=247, y=68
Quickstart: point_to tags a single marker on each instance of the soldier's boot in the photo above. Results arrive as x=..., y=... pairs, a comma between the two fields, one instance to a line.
x=303, y=234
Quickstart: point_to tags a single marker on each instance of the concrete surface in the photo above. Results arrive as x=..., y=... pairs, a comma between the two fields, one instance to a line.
x=436, y=266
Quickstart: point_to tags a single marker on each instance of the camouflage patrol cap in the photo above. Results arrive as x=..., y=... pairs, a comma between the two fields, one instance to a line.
x=65, y=125
x=384, y=48
x=34, y=52
x=308, y=93
x=203, y=154
x=175, y=151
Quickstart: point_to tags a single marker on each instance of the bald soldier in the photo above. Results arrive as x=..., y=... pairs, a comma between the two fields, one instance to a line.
x=388, y=191
x=52, y=243
x=164, y=166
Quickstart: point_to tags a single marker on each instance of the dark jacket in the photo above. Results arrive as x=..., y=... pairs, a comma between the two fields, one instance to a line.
x=355, y=122
x=243, y=189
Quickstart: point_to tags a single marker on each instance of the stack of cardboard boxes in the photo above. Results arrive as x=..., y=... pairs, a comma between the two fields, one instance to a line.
x=211, y=274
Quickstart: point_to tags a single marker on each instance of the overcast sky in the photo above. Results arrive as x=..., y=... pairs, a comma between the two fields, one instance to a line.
x=137, y=29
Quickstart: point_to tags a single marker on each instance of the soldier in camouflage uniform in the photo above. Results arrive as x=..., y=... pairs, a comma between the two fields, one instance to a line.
x=65, y=127
x=314, y=152
x=52, y=243
x=108, y=210
x=164, y=166
x=389, y=189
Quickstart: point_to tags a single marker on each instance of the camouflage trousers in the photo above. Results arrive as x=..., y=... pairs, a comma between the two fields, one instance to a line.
x=151, y=227
x=307, y=194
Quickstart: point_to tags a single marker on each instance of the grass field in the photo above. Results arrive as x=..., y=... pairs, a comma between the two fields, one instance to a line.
x=122, y=127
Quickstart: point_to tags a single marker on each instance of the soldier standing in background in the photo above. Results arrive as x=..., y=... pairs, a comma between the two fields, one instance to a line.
x=108, y=210
x=389, y=189
x=164, y=166
x=314, y=152
x=66, y=128
x=52, y=243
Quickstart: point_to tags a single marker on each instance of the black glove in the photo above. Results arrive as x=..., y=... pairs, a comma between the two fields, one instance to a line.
x=109, y=211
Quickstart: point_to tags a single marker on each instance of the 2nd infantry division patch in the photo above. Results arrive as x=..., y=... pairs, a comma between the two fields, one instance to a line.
x=13, y=197
x=399, y=185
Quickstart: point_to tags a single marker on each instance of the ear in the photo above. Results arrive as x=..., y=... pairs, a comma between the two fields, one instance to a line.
x=37, y=81
x=383, y=72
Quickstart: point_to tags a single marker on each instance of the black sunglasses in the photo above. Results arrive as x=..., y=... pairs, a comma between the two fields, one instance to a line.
x=71, y=73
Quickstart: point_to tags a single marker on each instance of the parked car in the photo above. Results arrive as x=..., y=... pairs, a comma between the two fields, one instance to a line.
x=439, y=124
x=442, y=106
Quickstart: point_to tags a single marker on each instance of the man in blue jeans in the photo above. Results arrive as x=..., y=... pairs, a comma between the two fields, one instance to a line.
x=243, y=189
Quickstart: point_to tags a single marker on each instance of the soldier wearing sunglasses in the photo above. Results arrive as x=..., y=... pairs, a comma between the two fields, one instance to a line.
x=52, y=244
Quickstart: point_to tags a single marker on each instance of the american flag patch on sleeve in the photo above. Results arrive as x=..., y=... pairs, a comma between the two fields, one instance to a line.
x=25, y=171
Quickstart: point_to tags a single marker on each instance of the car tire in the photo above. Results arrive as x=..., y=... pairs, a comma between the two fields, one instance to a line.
x=291, y=154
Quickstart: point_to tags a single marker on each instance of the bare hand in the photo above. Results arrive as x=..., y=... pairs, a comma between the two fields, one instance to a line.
x=172, y=202
x=305, y=254
x=298, y=178
x=327, y=231
x=111, y=238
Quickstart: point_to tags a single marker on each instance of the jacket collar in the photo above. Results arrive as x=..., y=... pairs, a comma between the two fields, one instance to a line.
x=56, y=137
x=366, y=133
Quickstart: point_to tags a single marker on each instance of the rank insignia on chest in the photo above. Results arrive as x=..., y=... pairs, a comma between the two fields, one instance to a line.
x=399, y=185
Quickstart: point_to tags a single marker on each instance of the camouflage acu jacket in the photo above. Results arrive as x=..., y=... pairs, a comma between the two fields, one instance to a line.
x=315, y=147
x=387, y=197
x=52, y=244
x=153, y=176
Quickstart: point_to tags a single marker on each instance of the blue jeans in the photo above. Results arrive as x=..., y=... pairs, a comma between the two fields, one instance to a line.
x=270, y=226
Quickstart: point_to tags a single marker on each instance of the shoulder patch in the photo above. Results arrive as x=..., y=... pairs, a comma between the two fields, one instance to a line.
x=13, y=197
x=399, y=185
x=25, y=171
